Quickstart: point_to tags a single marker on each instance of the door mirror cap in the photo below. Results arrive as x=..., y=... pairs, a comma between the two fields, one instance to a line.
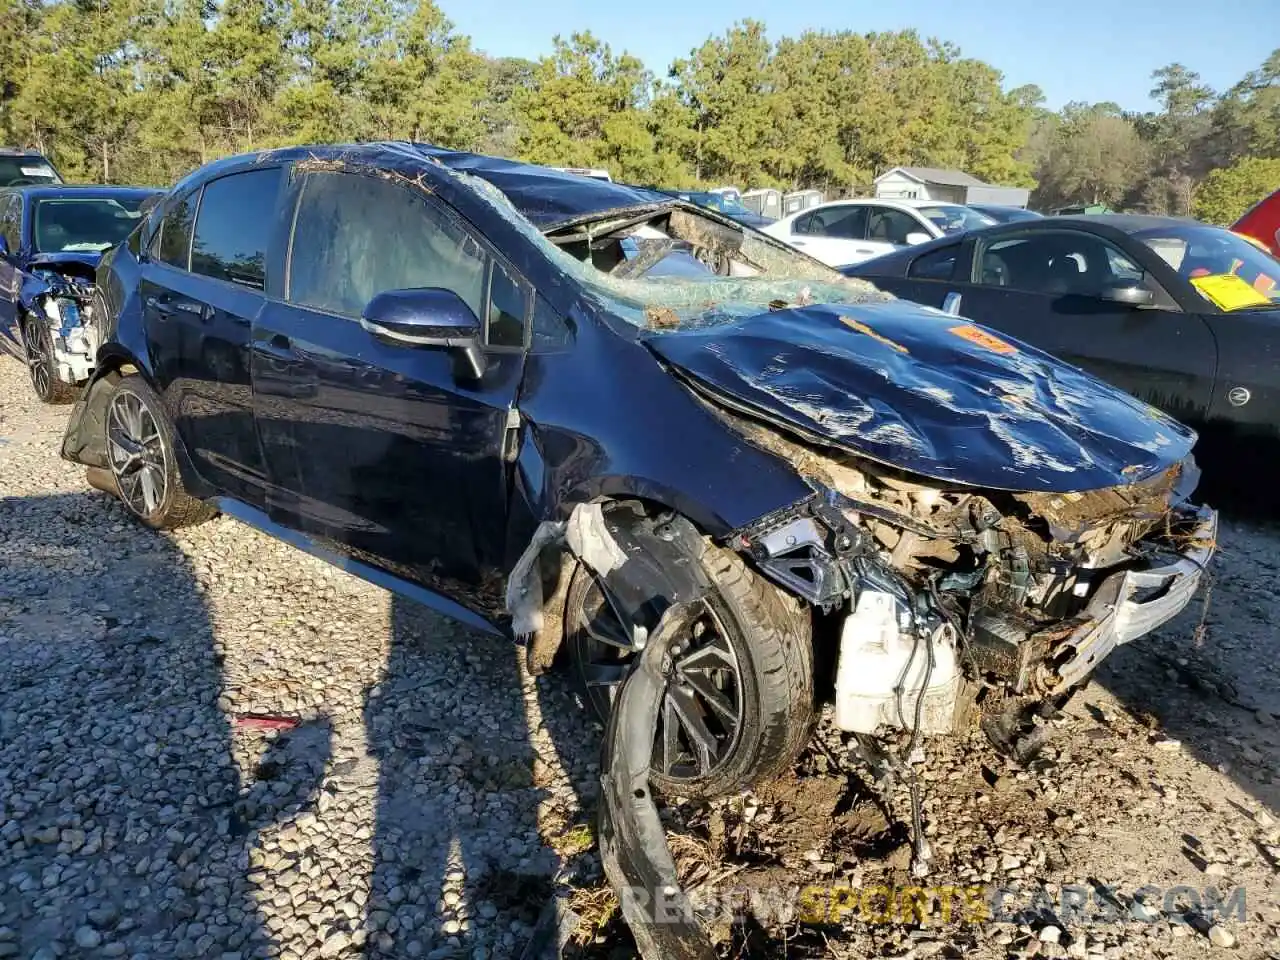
x=1133, y=295
x=428, y=317
x=917, y=237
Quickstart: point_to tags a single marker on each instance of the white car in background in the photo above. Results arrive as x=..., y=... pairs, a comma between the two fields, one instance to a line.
x=850, y=231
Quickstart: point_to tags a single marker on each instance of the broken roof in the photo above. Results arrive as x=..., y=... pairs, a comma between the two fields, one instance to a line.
x=543, y=195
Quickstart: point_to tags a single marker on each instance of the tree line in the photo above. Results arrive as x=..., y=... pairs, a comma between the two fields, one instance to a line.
x=143, y=91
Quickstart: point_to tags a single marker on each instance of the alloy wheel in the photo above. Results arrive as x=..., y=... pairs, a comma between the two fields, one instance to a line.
x=700, y=717
x=38, y=364
x=137, y=453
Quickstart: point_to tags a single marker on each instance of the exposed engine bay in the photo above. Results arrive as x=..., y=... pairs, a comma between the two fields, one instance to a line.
x=950, y=590
x=67, y=307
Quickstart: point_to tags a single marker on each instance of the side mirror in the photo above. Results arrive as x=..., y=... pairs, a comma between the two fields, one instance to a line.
x=916, y=237
x=428, y=317
x=1131, y=295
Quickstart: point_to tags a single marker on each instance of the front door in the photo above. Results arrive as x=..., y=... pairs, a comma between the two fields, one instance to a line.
x=1044, y=287
x=200, y=294
x=384, y=451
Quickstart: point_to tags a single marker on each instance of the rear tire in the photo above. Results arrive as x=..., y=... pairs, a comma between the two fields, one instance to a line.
x=38, y=346
x=757, y=640
x=142, y=452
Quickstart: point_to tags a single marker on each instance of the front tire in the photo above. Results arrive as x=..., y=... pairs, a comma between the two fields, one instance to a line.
x=37, y=342
x=739, y=706
x=142, y=453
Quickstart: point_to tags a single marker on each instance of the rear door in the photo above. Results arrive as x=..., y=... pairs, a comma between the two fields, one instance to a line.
x=1045, y=286
x=384, y=450
x=200, y=297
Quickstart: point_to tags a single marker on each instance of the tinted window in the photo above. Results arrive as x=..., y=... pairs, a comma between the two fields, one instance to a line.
x=175, y=232
x=892, y=226
x=801, y=224
x=1057, y=264
x=11, y=222
x=234, y=227
x=355, y=237
x=507, y=307
x=935, y=265
x=844, y=223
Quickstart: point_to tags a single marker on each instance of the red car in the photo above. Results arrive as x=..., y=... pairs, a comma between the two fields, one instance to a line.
x=1262, y=223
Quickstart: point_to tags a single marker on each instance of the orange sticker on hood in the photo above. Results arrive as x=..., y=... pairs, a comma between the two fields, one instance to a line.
x=988, y=341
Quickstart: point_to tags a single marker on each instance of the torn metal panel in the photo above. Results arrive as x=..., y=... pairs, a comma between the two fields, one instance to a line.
x=633, y=842
x=645, y=565
x=916, y=394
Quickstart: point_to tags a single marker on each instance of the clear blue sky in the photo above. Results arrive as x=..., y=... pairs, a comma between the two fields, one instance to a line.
x=1075, y=50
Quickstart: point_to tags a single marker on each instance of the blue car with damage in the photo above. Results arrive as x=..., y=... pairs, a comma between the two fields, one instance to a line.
x=613, y=423
x=51, y=239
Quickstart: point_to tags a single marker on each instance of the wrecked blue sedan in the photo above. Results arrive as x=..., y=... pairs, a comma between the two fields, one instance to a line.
x=51, y=239
x=564, y=408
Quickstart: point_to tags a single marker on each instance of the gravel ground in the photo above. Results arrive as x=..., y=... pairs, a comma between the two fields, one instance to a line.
x=432, y=797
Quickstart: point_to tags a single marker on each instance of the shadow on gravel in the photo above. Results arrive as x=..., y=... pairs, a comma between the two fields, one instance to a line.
x=125, y=828
x=1210, y=679
x=451, y=709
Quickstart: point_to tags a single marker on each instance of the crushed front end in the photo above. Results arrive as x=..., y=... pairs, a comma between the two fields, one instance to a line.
x=64, y=301
x=950, y=590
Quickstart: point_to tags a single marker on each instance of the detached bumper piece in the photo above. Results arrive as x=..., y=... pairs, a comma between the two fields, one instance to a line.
x=1136, y=601
x=633, y=843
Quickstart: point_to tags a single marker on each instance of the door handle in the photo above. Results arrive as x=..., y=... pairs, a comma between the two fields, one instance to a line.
x=862, y=250
x=160, y=305
x=279, y=347
x=951, y=304
x=206, y=312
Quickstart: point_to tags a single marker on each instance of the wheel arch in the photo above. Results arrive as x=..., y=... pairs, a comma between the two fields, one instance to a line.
x=83, y=442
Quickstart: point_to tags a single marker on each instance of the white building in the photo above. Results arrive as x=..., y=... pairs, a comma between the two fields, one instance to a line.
x=952, y=186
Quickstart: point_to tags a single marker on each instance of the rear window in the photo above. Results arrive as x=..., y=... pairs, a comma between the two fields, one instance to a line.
x=15, y=171
x=234, y=226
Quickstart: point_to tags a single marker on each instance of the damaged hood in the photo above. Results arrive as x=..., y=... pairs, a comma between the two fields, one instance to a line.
x=929, y=393
x=56, y=261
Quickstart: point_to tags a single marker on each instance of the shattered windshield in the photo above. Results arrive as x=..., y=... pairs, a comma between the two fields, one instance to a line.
x=83, y=224
x=666, y=267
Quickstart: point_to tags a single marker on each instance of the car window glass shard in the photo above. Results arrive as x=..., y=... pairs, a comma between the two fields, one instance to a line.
x=234, y=223
x=508, y=308
x=341, y=258
x=175, y=232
